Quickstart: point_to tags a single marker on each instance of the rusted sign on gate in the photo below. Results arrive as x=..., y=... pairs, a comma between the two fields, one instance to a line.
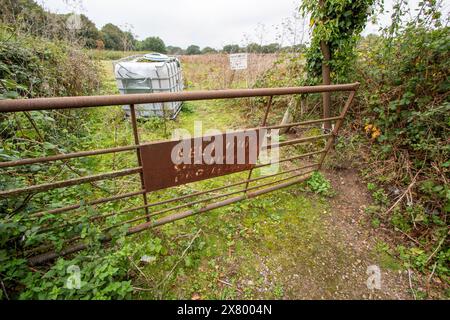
x=172, y=163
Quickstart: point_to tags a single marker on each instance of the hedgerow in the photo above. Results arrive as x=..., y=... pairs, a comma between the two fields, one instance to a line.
x=32, y=67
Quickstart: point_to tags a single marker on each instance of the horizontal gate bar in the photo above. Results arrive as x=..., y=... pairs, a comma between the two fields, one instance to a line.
x=214, y=197
x=66, y=156
x=98, y=101
x=212, y=206
x=302, y=140
x=81, y=154
x=212, y=190
x=296, y=124
x=92, y=203
x=70, y=182
x=39, y=259
x=131, y=194
x=295, y=141
x=290, y=159
x=97, y=217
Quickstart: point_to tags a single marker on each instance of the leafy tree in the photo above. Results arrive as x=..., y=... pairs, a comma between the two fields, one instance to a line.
x=31, y=16
x=89, y=32
x=174, y=50
x=270, y=48
x=295, y=48
x=337, y=25
x=207, y=50
x=112, y=37
x=193, y=49
x=128, y=41
x=231, y=48
x=254, y=48
x=153, y=44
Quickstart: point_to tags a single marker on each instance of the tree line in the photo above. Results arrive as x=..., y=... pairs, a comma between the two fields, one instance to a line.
x=28, y=17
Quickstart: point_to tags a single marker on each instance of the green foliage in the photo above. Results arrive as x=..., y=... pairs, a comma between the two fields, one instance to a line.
x=208, y=50
x=408, y=102
x=153, y=44
x=103, y=273
x=231, y=48
x=414, y=116
x=33, y=67
x=319, y=184
x=174, y=50
x=193, y=49
x=25, y=15
x=380, y=197
x=28, y=17
x=116, y=39
x=405, y=84
x=89, y=33
x=102, y=55
x=254, y=48
x=337, y=24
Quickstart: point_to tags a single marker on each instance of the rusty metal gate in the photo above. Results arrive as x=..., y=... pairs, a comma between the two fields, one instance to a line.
x=157, y=172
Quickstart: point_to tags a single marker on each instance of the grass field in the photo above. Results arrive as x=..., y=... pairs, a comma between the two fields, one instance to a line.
x=218, y=254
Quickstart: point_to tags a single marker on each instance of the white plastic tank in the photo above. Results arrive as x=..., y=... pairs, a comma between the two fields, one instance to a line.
x=150, y=73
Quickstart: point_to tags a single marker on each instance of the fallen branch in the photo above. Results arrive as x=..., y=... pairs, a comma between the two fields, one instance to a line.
x=4, y=290
x=404, y=193
x=437, y=248
x=181, y=258
x=409, y=237
x=430, y=277
x=141, y=289
x=229, y=284
x=139, y=269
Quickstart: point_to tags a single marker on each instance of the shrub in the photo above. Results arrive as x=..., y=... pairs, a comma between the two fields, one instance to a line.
x=319, y=184
x=33, y=67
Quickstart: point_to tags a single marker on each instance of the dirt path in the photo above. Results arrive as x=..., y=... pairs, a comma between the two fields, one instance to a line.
x=356, y=240
x=333, y=265
x=301, y=247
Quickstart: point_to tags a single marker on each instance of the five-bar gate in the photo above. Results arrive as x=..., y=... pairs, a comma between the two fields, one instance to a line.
x=156, y=172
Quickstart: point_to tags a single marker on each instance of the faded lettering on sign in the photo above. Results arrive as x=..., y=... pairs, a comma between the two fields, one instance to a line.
x=172, y=163
x=238, y=61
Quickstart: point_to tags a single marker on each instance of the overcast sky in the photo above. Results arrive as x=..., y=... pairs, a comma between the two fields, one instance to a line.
x=212, y=23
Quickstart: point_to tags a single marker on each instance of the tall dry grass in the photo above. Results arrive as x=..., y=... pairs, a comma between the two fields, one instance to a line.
x=212, y=71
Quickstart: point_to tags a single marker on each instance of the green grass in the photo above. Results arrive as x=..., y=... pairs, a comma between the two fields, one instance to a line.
x=228, y=258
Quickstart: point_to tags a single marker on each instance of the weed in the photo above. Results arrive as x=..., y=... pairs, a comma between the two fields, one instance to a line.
x=319, y=184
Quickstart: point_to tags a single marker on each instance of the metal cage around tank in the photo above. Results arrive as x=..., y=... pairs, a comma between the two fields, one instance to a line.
x=160, y=76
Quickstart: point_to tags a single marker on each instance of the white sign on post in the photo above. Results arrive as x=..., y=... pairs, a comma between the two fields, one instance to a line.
x=238, y=61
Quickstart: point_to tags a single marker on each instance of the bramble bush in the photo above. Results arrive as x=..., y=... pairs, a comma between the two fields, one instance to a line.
x=34, y=67
x=399, y=123
x=404, y=102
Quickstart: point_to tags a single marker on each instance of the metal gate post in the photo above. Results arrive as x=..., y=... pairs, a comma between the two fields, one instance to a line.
x=138, y=154
x=337, y=126
x=266, y=114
